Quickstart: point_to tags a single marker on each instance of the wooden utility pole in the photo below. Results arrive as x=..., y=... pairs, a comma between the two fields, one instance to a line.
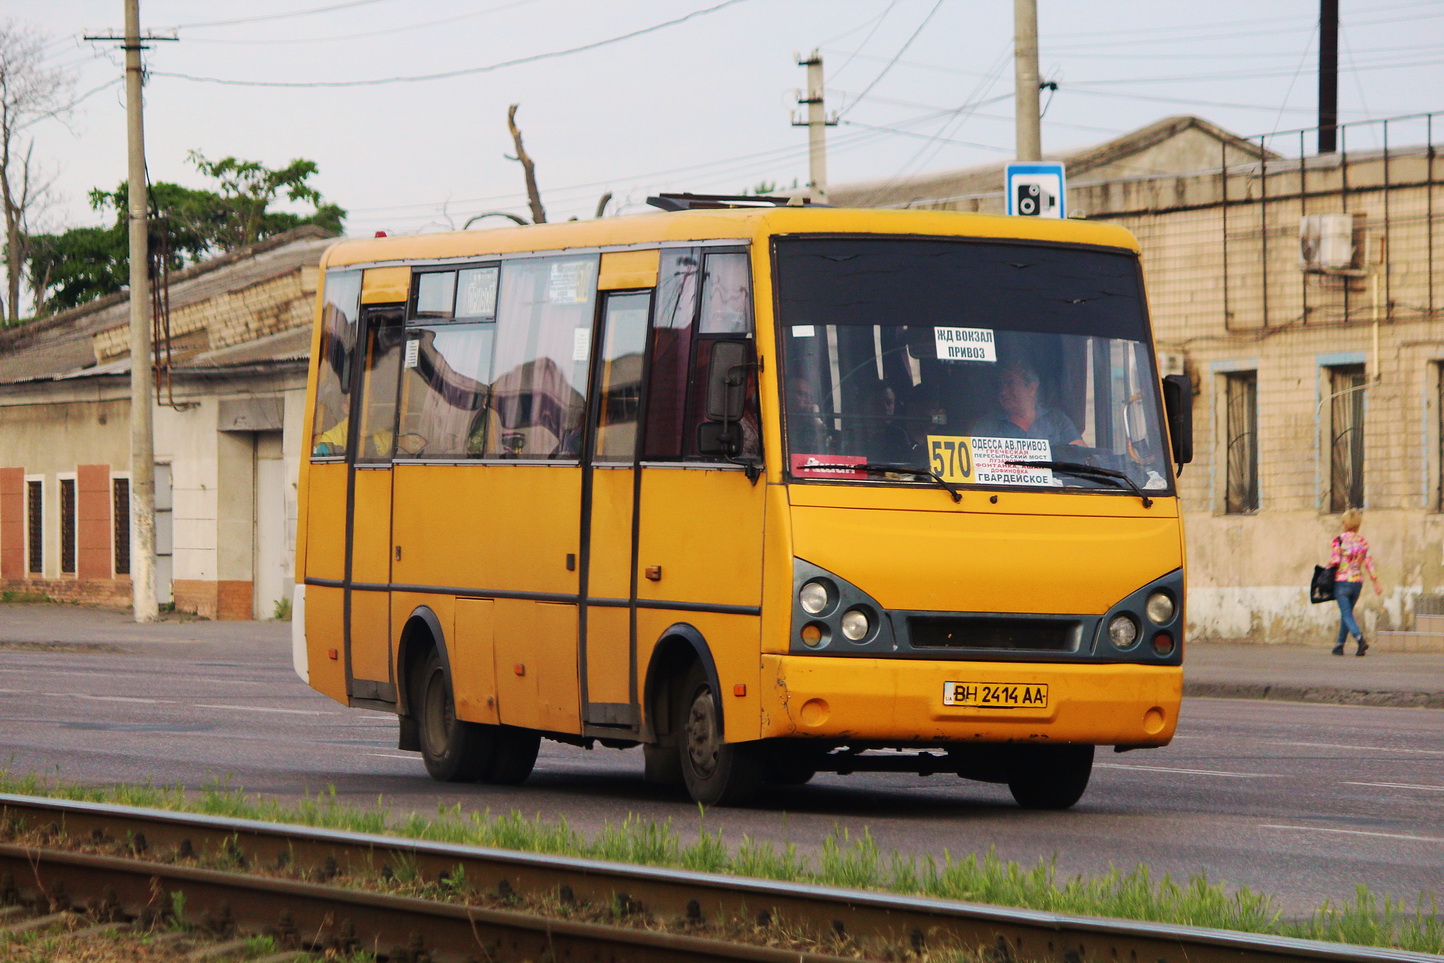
x=1027, y=125
x=533, y=196
x=142, y=418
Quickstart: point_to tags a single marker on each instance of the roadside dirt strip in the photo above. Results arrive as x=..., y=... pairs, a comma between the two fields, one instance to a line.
x=251, y=877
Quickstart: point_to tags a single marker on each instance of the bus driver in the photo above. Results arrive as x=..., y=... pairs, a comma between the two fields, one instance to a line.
x=1019, y=415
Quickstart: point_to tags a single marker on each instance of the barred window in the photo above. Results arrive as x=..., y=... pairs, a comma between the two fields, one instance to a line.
x=120, y=518
x=67, y=526
x=1346, y=437
x=1241, y=432
x=35, y=526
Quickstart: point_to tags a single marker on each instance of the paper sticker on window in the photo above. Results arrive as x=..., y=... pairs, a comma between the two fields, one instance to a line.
x=987, y=461
x=570, y=282
x=476, y=293
x=965, y=344
x=802, y=331
x=994, y=461
x=581, y=343
x=413, y=351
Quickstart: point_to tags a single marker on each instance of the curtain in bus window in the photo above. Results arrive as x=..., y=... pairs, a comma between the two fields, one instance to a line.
x=671, y=354
x=446, y=385
x=338, y=352
x=726, y=296
x=543, y=346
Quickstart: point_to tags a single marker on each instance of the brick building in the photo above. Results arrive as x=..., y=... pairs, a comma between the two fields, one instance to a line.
x=231, y=398
x=1301, y=295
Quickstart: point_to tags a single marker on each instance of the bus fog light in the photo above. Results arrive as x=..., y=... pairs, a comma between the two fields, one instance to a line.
x=814, y=634
x=1163, y=644
x=814, y=598
x=1122, y=632
x=1160, y=608
x=855, y=625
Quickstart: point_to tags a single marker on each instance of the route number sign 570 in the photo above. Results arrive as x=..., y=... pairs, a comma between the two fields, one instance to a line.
x=952, y=457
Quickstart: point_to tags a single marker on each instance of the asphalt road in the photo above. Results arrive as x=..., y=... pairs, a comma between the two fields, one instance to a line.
x=1302, y=802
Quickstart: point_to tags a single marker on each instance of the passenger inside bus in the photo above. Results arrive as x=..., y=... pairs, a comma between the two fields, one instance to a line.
x=1019, y=413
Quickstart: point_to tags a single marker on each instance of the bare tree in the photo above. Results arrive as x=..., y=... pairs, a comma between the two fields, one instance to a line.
x=28, y=92
x=538, y=215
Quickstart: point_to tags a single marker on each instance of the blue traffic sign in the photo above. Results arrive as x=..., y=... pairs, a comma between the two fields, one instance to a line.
x=1036, y=189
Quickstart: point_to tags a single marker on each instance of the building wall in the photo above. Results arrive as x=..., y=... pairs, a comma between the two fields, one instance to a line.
x=80, y=428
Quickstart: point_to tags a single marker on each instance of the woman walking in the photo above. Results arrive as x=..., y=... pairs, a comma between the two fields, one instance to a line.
x=1351, y=555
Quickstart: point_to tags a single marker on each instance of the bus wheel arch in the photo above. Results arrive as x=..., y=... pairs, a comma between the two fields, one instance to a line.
x=678, y=649
x=421, y=634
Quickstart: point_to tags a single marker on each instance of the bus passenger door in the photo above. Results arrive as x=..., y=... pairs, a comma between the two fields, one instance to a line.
x=370, y=674
x=609, y=665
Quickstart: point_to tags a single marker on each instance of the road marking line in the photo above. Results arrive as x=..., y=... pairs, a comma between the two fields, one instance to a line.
x=1396, y=785
x=1356, y=832
x=393, y=755
x=289, y=712
x=1191, y=772
x=1332, y=745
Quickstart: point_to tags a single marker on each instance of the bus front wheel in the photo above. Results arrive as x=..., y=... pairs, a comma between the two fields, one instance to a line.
x=455, y=750
x=1050, y=777
x=717, y=773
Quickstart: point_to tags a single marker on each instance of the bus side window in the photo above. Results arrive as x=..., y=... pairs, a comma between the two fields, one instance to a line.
x=334, y=375
x=726, y=315
x=446, y=385
x=385, y=343
x=543, y=353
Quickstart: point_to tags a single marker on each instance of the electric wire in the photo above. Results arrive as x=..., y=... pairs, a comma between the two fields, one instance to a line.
x=464, y=72
x=901, y=51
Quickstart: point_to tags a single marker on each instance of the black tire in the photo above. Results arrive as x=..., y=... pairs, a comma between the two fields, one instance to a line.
x=453, y=750
x=717, y=773
x=1050, y=777
x=513, y=755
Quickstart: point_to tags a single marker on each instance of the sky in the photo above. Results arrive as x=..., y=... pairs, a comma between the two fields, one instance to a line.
x=402, y=103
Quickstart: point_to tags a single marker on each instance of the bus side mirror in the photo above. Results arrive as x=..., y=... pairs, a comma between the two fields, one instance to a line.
x=726, y=381
x=1178, y=405
x=718, y=439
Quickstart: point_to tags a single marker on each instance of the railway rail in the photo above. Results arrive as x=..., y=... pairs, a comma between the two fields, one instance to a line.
x=310, y=911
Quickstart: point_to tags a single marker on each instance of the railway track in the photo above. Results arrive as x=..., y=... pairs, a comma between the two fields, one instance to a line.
x=140, y=856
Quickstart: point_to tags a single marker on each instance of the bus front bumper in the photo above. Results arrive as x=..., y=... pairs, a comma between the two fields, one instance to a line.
x=903, y=701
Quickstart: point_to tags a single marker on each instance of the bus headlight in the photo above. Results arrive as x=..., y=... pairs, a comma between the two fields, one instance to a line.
x=1122, y=632
x=856, y=626
x=1160, y=608
x=815, y=597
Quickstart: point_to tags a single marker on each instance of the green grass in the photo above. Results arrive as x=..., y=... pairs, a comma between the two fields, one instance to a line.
x=845, y=860
x=14, y=597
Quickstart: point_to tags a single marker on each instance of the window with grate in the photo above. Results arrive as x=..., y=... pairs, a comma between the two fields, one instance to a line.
x=120, y=516
x=67, y=526
x=1241, y=433
x=35, y=526
x=1346, y=437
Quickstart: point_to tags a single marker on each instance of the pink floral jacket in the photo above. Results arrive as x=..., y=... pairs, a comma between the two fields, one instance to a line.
x=1351, y=555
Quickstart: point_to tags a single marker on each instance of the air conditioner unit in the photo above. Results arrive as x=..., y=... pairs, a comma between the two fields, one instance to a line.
x=1331, y=243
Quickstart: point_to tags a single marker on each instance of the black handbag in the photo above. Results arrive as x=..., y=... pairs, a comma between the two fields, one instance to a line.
x=1321, y=589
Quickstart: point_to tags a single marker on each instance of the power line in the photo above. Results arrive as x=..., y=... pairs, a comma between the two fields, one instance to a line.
x=394, y=29
x=279, y=16
x=455, y=73
x=894, y=60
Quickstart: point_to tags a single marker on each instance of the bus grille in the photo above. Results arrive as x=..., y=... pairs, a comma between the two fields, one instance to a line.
x=993, y=632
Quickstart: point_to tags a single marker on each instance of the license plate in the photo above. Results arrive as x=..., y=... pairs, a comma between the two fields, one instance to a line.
x=996, y=695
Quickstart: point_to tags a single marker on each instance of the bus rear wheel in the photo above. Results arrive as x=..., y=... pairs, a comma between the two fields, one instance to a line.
x=717, y=773
x=1050, y=777
x=455, y=750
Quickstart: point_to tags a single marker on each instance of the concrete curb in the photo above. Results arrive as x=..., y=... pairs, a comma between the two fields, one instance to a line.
x=1329, y=695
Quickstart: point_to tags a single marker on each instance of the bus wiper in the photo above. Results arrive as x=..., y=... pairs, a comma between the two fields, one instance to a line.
x=880, y=468
x=1089, y=471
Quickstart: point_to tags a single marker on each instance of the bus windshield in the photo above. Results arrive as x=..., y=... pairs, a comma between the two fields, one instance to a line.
x=983, y=363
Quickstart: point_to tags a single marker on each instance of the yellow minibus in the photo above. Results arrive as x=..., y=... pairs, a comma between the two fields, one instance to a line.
x=764, y=489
